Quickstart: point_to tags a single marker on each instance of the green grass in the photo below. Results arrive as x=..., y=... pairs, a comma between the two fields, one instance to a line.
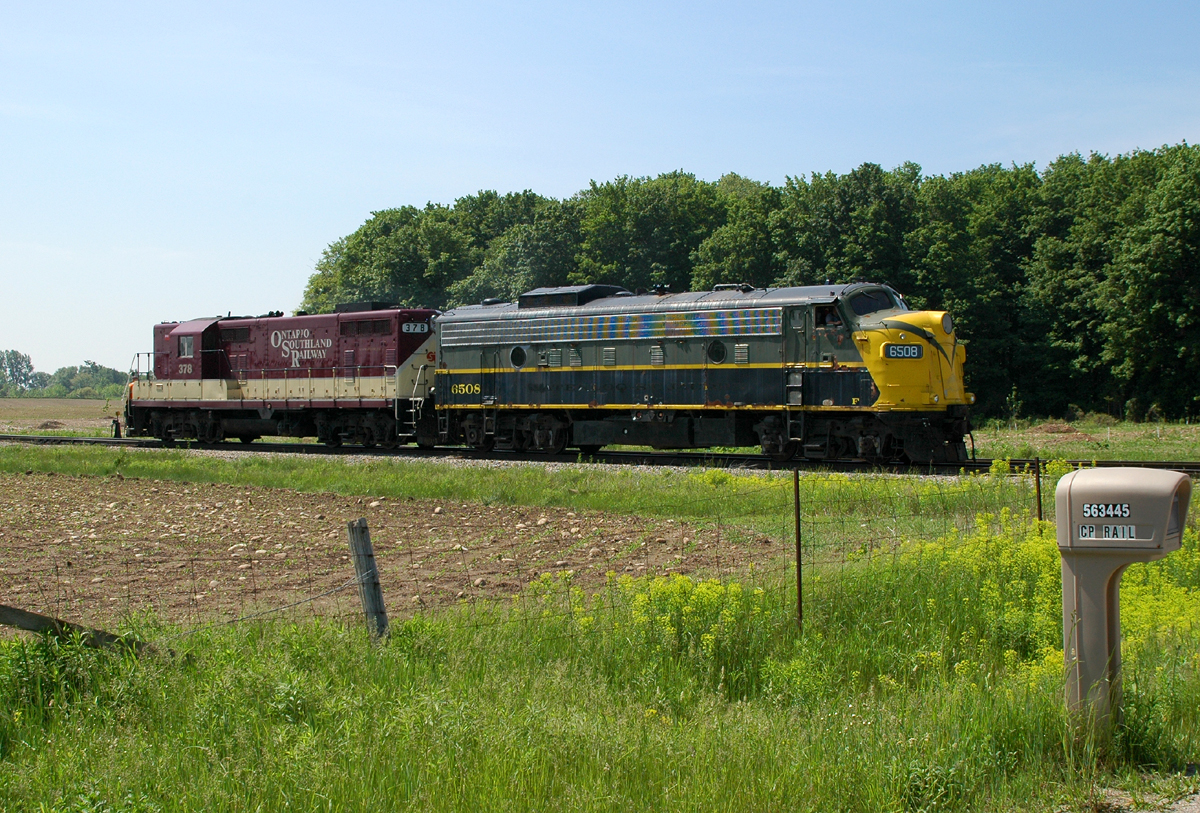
x=104, y=432
x=846, y=511
x=1094, y=438
x=928, y=680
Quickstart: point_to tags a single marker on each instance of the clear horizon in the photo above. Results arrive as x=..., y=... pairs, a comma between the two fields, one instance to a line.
x=161, y=163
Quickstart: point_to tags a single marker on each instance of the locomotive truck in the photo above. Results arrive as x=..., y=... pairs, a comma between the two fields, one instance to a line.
x=824, y=372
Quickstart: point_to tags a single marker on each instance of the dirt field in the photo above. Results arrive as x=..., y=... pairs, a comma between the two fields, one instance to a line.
x=23, y=415
x=93, y=549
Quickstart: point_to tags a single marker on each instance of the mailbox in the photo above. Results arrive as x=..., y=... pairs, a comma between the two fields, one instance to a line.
x=1107, y=520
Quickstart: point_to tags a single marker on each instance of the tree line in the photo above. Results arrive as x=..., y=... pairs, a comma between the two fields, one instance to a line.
x=89, y=380
x=1074, y=287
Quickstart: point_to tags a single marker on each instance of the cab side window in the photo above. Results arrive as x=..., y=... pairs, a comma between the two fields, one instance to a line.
x=185, y=347
x=827, y=316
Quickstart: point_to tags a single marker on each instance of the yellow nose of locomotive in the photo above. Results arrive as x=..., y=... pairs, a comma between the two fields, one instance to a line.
x=916, y=361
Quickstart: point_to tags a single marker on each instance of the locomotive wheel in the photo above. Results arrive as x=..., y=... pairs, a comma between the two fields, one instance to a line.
x=784, y=454
x=486, y=445
x=368, y=438
x=520, y=441
x=558, y=442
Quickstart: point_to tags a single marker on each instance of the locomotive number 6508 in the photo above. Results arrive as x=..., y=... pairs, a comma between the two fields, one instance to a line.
x=903, y=351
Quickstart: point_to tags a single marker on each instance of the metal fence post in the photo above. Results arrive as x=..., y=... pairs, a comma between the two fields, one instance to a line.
x=1037, y=474
x=368, y=578
x=799, y=557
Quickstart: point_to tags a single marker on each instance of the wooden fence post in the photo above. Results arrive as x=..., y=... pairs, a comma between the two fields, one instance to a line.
x=36, y=622
x=368, y=578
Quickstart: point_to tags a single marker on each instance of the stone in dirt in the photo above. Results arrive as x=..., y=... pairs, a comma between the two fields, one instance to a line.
x=155, y=560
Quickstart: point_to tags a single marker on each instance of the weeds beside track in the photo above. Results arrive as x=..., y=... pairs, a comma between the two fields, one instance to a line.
x=624, y=457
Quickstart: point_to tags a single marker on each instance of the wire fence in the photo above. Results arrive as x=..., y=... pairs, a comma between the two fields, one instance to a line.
x=553, y=565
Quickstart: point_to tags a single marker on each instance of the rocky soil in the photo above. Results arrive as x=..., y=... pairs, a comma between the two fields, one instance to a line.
x=95, y=549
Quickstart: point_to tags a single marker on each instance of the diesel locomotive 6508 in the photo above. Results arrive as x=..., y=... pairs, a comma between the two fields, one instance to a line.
x=832, y=371
x=824, y=372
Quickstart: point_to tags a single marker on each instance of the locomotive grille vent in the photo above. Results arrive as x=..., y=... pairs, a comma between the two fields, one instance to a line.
x=389, y=357
x=656, y=355
x=554, y=357
x=609, y=355
x=574, y=359
x=348, y=363
x=741, y=354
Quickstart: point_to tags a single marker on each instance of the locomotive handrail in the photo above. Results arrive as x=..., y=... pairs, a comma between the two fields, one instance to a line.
x=418, y=380
x=135, y=366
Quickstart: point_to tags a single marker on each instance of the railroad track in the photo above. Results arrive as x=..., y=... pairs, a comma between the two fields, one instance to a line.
x=722, y=460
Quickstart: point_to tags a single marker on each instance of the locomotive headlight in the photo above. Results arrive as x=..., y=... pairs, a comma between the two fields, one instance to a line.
x=947, y=324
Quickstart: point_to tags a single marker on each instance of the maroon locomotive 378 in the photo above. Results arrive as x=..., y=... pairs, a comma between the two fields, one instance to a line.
x=362, y=374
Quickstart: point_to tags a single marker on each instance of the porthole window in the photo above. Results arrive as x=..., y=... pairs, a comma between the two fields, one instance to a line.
x=716, y=352
x=517, y=356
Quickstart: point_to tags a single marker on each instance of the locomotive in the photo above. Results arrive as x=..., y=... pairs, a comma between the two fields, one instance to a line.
x=827, y=372
x=360, y=374
x=823, y=372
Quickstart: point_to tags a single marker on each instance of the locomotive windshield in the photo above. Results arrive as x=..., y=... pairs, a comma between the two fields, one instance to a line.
x=869, y=302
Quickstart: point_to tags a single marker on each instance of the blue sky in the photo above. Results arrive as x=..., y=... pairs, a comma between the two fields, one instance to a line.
x=161, y=161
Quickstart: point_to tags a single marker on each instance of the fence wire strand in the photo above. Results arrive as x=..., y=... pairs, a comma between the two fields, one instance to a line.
x=544, y=573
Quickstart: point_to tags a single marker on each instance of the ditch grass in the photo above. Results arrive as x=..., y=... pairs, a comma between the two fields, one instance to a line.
x=847, y=511
x=928, y=680
x=1093, y=438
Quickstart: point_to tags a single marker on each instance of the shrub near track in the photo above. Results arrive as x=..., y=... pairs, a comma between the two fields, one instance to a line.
x=927, y=680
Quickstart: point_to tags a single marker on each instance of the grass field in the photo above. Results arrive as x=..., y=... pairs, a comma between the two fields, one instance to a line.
x=58, y=416
x=850, y=507
x=1092, y=439
x=926, y=679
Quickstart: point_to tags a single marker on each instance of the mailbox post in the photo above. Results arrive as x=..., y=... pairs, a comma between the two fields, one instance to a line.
x=1107, y=520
